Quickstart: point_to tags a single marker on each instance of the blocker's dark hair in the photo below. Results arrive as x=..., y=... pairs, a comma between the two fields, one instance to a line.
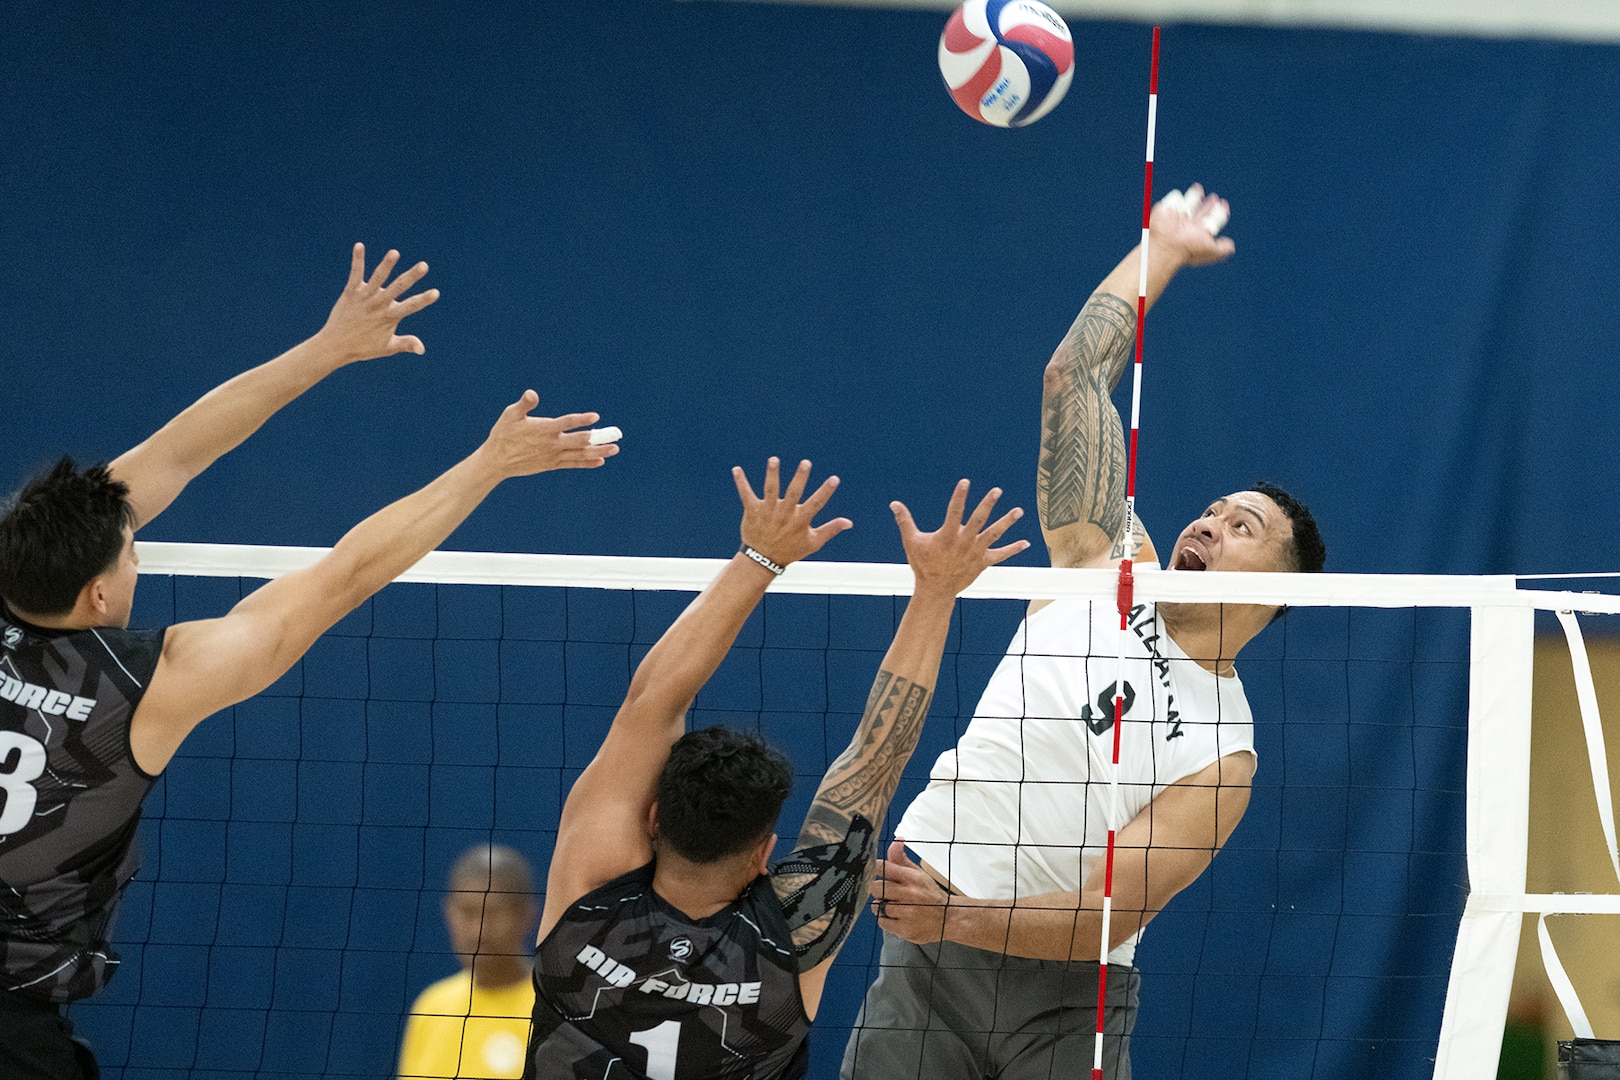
x=720, y=793
x=58, y=531
x=1307, y=549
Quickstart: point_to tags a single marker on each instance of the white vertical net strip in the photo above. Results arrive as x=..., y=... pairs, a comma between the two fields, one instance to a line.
x=1498, y=707
x=1498, y=839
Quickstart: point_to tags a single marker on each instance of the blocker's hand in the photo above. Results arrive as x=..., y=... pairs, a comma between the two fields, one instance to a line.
x=777, y=524
x=908, y=902
x=369, y=310
x=1188, y=234
x=951, y=557
x=522, y=445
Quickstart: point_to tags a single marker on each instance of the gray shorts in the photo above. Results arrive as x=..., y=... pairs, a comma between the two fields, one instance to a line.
x=944, y=1011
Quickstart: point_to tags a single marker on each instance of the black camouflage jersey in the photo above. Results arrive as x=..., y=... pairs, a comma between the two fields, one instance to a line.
x=627, y=987
x=70, y=800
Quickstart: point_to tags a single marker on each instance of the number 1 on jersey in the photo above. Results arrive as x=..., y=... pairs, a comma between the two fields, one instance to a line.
x=661, y=1044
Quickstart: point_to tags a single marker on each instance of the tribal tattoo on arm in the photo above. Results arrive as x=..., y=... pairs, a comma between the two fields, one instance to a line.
x=823, y=884
x=1081, y=474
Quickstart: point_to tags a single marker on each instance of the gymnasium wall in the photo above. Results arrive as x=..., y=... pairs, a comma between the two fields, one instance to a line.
x=739, y=230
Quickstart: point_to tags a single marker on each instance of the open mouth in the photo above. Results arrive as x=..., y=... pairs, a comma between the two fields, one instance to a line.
x=1187, y=558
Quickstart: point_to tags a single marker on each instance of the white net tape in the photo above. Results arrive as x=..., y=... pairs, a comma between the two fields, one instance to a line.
x=887, y=579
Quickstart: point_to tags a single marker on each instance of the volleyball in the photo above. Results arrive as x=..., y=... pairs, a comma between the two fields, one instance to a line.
x=1007, y=63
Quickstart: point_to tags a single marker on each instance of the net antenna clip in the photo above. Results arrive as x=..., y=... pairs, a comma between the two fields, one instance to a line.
x=1126, y=598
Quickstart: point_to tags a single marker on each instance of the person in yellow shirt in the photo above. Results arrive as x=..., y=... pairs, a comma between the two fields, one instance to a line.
x=476, y=1023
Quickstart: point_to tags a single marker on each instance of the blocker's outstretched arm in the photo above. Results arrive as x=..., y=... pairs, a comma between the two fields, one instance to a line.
x=361, y=326
x=215, y=663
x=824, y=882
x=1080, y=477
x=603, y=832
x=1159, y=853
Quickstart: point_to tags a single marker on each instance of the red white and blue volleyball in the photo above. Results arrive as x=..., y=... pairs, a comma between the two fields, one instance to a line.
x=1006, y=62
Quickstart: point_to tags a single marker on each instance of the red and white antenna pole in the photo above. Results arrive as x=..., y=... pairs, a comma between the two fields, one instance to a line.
x=1127, y=583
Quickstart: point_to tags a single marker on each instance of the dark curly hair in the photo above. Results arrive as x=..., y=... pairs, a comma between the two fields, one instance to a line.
x=720, y=792
x=1306, y=548
x=58, y=531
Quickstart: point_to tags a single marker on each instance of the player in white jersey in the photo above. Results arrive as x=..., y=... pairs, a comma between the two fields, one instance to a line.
x=992, y=933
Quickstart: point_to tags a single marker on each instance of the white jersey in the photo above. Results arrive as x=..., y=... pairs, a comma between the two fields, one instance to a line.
x=1020, y=806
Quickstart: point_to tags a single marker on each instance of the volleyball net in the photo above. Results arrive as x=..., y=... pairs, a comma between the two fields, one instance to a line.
x=1364, y=918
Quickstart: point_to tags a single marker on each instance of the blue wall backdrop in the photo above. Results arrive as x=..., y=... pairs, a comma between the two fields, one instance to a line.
x=738, y=230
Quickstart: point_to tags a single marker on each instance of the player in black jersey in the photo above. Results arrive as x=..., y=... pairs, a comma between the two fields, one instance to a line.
x=90, y=712
x=668, y=949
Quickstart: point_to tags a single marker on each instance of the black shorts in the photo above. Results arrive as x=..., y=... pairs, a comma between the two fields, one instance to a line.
x=37, y=1043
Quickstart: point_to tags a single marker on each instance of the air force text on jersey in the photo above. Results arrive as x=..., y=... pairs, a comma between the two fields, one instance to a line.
x=50, y=702
x=618, y=975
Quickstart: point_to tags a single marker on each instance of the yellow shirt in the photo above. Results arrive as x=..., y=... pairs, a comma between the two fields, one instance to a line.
x=459, y=1030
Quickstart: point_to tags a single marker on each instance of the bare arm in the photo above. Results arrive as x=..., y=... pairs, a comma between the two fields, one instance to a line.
x=603, y=832
x=833, y=857
x=209, y=665
x=1080, y=477
x=360, y=327
x=1157, y=854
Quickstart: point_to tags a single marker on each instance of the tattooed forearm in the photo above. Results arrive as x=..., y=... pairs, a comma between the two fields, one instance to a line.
x=823, y=883
x=1081, y=474
x=864, y=778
